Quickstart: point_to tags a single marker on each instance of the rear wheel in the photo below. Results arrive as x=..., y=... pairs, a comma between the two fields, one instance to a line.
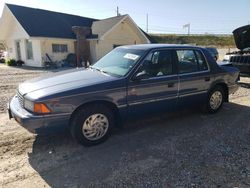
x=215, y=99
x=92, y=124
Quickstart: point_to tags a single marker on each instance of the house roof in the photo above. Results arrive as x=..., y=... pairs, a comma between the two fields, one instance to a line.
x=101, y=27
x=44, y=23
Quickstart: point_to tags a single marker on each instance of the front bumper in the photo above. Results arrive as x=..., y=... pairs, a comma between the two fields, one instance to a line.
x=244, y=68
x=37, y=123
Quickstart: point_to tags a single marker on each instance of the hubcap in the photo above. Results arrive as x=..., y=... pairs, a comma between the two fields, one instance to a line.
x=216, y=100
x=95, y=126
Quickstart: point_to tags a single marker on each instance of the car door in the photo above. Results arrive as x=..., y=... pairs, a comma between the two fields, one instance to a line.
x=194, y=77
x=154, y=86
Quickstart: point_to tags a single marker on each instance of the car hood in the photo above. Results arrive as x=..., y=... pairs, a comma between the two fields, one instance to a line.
x=242, y=37
x=64, y=80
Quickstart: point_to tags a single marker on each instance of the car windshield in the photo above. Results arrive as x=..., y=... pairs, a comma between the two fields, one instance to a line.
x=119, y=61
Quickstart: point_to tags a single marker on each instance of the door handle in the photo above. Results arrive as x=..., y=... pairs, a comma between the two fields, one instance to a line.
x=171, y=84
x=207, y=79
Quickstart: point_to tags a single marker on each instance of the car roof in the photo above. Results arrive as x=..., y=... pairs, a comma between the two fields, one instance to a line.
x=157, y=46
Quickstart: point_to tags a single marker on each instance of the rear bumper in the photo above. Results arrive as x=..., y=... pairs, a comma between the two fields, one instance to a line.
x=40, y=124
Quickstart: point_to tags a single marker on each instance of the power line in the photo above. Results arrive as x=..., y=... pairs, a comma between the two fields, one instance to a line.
x=162, y=28
x=161, y=14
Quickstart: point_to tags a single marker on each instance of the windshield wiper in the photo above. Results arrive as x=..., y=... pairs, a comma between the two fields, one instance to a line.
x=105, y=72
x=100, y=70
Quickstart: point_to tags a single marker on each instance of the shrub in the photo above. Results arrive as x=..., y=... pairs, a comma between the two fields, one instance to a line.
x=2, y=60
x=19, y=62
x=11, y=62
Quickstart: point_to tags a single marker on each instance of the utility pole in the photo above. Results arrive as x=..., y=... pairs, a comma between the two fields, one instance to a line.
x=147, y=24
x=188, y=29
x=117, y=11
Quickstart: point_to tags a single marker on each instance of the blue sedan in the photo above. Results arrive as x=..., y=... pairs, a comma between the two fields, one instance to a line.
x=130, y=81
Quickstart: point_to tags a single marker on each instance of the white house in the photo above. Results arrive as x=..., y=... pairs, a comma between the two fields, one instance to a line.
x=29, y=34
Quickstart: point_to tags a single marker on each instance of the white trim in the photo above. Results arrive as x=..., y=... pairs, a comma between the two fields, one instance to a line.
x=17, y=21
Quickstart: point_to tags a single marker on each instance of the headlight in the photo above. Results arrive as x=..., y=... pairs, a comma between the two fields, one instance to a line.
x=36, y=107
x=29, y=105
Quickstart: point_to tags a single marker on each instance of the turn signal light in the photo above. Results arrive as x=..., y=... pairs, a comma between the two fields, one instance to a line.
x=41, y=108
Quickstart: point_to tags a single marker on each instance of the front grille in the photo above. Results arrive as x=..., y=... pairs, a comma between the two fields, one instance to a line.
x=20, y=99
x=243, y=59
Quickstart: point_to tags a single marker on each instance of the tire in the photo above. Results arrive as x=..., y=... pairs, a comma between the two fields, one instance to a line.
x=92, y=124
x=215, y=100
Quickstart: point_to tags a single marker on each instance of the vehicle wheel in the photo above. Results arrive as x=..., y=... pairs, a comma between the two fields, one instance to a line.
x=92, y=124
x=215, y=99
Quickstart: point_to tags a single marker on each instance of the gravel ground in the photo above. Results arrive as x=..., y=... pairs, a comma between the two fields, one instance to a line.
x=186, y=149
x=10, y=78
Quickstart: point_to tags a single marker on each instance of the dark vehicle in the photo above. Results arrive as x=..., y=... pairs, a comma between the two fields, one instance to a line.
x=128, y=82
x=241, y=58
x=214, y=52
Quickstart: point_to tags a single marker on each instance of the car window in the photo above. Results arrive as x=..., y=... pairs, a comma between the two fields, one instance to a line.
x=191, y=61
x=187, y=61
x=158, y=63
x=201, y=61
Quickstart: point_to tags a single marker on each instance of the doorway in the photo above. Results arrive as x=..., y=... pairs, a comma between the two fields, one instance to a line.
x=18, y=50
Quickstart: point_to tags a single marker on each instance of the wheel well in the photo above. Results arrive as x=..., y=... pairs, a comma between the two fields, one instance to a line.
x=110, y=105
x=225, y=88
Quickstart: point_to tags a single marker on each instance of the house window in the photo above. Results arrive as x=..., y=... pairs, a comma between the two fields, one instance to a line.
x=59, y=48
x=29, y=50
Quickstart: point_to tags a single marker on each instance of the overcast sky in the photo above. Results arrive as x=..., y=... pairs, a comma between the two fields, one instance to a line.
x=165, y=16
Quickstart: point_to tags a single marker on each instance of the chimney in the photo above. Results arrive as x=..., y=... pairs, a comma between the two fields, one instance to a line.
x=82, y=45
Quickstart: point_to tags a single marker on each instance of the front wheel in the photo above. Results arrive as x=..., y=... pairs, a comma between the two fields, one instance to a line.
x=215, y=99
x=92, y=125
